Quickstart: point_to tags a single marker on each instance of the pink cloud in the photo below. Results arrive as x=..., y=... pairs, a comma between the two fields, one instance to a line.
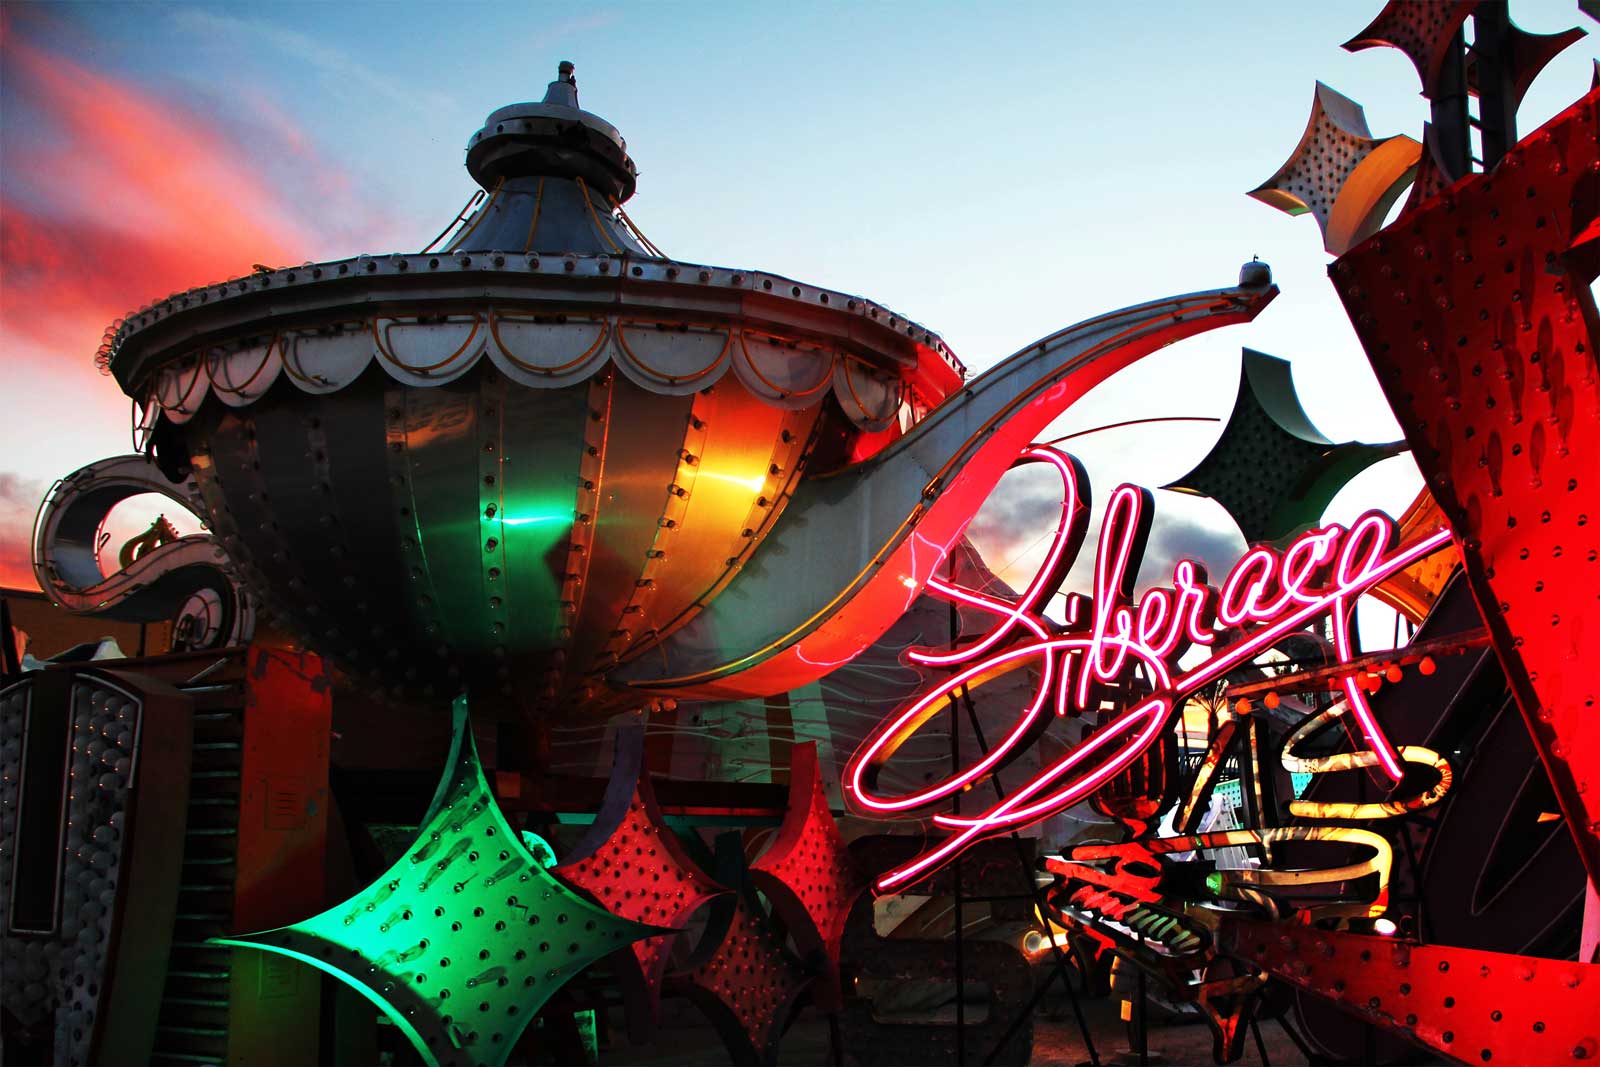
x=114, y=196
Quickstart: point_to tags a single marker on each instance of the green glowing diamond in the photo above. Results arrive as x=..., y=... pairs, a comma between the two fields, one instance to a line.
x=1214, y=883
x=466, y=936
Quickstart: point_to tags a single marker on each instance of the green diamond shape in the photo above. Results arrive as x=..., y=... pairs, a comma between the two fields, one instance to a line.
x=464, y=938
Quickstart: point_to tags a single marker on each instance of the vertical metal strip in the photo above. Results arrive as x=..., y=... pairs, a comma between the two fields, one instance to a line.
x=780, y=736
x=785, y=461
x=591, y=487
x=439, y=437
x=633, y=626
x=41, y=831
x=492, y=531
x=544, y=504
x=642, y=451
x=423, y=595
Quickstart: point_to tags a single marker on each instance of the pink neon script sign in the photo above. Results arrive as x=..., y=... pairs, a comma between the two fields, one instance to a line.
x=1267, y=596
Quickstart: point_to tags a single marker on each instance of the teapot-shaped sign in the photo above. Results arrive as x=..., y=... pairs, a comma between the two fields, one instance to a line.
x=1265, y=597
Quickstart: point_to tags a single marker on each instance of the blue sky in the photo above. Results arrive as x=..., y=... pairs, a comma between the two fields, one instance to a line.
x=995, y=173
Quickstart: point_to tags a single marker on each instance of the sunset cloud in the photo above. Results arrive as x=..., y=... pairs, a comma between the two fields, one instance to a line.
x=114, y=195
x=1014, y=527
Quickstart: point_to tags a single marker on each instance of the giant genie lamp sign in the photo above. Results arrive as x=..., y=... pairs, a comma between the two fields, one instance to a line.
x=1267, y=596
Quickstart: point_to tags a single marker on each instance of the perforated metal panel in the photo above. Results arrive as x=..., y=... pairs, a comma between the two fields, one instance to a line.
x=463, y=938
x=1477, y=315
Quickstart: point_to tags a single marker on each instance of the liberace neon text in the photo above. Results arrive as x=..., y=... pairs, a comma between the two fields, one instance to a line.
x=1267, y=596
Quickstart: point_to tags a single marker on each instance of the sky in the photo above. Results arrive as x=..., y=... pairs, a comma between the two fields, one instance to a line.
x=994, y=173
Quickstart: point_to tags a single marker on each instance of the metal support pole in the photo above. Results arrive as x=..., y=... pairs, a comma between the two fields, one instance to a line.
x=1448, y=97
x=1140, y=1032
x=1491, y=39
x=1261, y=1046
x=1039, y=904
x=960, y=918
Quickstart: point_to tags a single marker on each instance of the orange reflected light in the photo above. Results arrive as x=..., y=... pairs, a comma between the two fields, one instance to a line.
x=753, y=484
x=1035, y=942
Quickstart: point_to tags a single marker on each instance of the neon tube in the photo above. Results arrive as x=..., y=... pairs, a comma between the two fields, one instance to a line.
x=1267, y=596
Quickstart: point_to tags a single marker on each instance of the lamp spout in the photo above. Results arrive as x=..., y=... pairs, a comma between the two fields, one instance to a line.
x=855, y=547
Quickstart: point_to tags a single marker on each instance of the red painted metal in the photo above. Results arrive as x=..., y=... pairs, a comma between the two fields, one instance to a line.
x=1122, y=883
x=808, y=874
x=635, y=867
x=1372, y=665
x=282, y=849
x=283, y=801
x=1476, y=312
x=1473, y=1006
x=740, y=974
x=747, y=986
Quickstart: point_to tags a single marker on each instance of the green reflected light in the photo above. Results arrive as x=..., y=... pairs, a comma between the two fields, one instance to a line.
x=539, y=520
x=534, y=524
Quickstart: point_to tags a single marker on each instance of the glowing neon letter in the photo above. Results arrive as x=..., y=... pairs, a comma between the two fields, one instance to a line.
x=1266, y=597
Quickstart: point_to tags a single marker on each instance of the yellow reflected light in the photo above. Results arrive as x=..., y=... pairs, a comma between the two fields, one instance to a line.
x=753, y=484
x=1035, y=944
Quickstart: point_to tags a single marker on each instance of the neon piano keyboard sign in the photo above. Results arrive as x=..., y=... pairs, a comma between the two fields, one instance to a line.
x=1267, y=596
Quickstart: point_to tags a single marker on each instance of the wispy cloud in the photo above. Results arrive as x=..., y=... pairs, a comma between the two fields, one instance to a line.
x=354, y=77
x=1213, y=541
x=114, y=195
x=1014, y=527
x=554, y=33
x=129, y=197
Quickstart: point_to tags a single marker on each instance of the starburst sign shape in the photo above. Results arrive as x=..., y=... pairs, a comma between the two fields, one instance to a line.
x=808, y=873
x=464, y=938
x=631, y=862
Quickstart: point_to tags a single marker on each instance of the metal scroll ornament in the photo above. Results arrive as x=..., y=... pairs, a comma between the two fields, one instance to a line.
x=161, y=577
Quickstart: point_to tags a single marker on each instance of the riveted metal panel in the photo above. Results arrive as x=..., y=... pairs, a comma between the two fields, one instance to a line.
x=737, y=481
x=439, y=434
x=541, y=483
x=644, y=438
